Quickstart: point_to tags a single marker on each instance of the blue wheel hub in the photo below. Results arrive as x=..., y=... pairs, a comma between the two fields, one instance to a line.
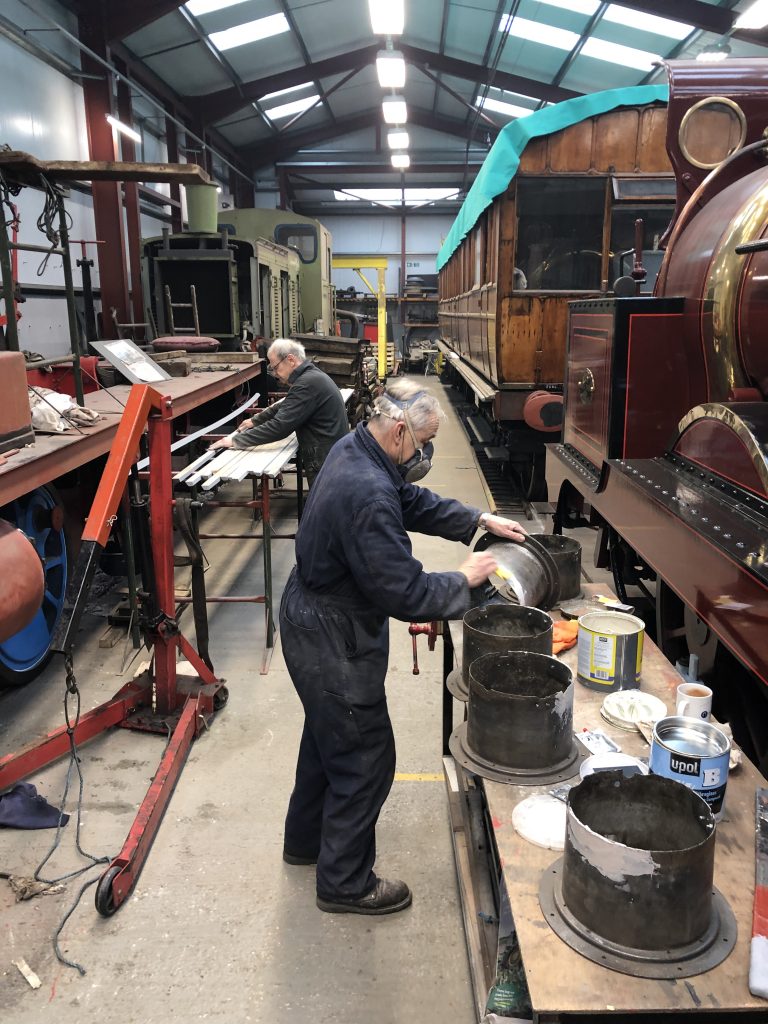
x=33, y=514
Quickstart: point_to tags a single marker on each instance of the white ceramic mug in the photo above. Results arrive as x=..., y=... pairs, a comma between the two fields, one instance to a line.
x=694, y=700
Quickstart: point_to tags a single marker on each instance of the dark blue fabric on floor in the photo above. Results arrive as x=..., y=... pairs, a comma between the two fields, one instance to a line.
x=23, y=807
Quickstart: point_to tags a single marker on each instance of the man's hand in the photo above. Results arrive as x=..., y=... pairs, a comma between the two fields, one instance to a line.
x=245, y=425
x=479, y=566
x=223, y=442
x=506, y=528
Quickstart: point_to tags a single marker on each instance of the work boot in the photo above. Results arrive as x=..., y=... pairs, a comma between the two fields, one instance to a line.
x=298, y=859
x=387, y=897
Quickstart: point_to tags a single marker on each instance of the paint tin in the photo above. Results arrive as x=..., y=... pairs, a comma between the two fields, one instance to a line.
x=694, y=753
x=610, y=651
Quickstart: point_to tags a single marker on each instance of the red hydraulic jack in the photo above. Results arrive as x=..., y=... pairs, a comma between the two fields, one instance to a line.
x=155, y=701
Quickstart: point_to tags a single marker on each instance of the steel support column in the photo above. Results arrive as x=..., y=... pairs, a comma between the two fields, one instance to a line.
x=107, y=202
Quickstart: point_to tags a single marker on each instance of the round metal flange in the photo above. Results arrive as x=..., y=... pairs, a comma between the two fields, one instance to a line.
x=457, y=686
x=684, y=962
x=472, y=762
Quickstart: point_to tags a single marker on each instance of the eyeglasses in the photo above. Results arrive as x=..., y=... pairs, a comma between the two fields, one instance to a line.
x=274, y=366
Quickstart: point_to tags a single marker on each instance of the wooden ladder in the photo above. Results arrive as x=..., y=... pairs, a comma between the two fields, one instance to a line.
x=170, y=306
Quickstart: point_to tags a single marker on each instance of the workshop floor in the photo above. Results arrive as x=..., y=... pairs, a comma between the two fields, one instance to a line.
x=218, y=927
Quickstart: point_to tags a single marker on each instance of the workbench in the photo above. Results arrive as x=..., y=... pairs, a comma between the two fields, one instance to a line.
x=53, y=455
x=563, y=985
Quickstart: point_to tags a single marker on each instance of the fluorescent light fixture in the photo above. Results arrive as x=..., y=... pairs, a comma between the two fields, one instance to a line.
x=124, y=128
x=714, y=54
x=401, y=160
x=390, y=67
x=510, y=109
x=647, y=22
x=250, y=32
x=755, y=16
x=411, y=196
x=294, y=107
x=395, y=111
x=199, y=7
x=398, y=140
x=534, y=31
x=615, y=53
x=283, y=92
x=387, y=17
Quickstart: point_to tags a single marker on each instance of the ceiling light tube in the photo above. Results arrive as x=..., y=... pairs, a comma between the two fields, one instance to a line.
x=124, y=128
x=395, y=110
x=401, y=160
x=387, y=17
x=390, y=68
x=398, y=140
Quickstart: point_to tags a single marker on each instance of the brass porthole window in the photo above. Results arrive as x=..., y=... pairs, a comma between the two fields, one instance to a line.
x=711, y=130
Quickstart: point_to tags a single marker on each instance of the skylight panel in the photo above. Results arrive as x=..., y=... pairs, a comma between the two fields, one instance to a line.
x=510, y=109
x=615, y=53
x=250, y=32
x=284, y=92
x=200, y=7
x=755, y=16
x=647, y=22
x=548, y=35
x=294, y=107
x=585, y=7
x=411, y=196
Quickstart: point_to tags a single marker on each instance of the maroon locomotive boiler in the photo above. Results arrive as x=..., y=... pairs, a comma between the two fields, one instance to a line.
x=666, y=422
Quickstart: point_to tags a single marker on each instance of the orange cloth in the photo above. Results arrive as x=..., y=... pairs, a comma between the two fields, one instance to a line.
x=564, y=635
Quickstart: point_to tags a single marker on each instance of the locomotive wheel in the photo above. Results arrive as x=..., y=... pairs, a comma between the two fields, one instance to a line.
x=105, y=900
x=39, y=515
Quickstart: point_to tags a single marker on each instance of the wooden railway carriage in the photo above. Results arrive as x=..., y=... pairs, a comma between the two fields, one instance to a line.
x=550, y=219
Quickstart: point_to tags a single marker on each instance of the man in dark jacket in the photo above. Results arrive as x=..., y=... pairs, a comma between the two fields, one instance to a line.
x=313, y=408
x=355, y=569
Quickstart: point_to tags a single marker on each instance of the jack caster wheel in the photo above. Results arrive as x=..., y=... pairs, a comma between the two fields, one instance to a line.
x=220, y=698
x=105, y=901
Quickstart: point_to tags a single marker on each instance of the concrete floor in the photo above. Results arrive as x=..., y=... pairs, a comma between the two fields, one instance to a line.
x=218, y=927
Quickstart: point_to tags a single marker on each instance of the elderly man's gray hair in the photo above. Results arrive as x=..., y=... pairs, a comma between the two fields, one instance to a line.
x=282, y=347
x=399, y=395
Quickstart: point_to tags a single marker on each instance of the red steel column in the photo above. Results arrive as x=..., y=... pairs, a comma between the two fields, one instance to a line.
x=107, y=202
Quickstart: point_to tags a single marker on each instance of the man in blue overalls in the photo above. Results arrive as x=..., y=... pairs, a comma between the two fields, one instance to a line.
x=355, y=569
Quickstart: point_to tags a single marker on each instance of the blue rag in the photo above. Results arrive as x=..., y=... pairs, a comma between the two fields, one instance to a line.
x=23, y=807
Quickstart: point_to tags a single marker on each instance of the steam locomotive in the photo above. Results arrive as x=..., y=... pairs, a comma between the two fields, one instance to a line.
x=665, y=435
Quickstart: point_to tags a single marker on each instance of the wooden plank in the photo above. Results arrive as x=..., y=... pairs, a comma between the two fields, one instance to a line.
x=652, y=157
x=560, y=980
x=571, y=148
x=23, y=167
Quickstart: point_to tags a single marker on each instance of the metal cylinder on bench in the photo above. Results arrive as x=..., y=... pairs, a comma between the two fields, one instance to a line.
x=566, y=554
x=633, y=890
x=500, y=628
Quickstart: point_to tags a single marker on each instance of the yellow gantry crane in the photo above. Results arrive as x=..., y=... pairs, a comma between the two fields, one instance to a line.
x=379, y=264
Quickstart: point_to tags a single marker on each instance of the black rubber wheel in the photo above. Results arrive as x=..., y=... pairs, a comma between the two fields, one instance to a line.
x=105, y=901
x=220, y=698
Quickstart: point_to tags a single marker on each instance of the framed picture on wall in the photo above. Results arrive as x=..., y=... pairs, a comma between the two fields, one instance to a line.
x=128, y=358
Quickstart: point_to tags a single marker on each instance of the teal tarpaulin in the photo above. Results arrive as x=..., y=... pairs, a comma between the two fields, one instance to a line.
x=501, y=164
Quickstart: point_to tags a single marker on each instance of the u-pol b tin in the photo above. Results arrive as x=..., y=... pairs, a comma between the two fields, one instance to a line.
x=694, y=753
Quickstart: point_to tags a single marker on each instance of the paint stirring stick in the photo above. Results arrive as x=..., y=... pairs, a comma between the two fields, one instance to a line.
x=758, y=950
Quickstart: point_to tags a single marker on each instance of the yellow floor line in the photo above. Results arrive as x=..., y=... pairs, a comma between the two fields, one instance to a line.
x=418, y=777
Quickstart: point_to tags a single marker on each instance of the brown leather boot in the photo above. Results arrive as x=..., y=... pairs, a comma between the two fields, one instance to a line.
x=387, y=897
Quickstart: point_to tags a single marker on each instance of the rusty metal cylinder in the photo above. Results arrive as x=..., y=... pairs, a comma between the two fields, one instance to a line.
x=639, y=861
x=21, y=581
x=499, y=628
x=566, y=554
x=520, y=710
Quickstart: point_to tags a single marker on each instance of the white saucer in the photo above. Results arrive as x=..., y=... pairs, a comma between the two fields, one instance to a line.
x=625, y=708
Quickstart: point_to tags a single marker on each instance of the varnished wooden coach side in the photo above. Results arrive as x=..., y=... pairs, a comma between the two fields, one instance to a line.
x=518, y=336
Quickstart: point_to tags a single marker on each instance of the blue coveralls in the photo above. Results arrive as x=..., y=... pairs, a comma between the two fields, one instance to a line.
x=355, y=569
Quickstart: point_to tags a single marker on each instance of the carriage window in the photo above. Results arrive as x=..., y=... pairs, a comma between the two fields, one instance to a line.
x=301, y=237
x=560, y=232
